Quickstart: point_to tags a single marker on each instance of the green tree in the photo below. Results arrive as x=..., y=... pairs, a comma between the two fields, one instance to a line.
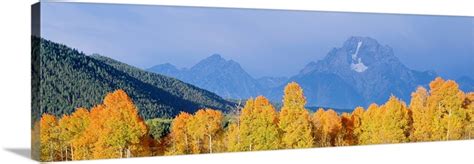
x=158, y=127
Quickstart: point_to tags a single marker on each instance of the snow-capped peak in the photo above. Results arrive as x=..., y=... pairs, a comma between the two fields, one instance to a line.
x=357, y=64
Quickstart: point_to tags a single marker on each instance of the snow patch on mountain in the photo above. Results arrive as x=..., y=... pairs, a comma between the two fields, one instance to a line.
x=357, y=64
x=359, y=67
x=354, y=56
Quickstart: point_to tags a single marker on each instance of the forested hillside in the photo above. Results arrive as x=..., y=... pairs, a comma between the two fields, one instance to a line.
x=70, y=79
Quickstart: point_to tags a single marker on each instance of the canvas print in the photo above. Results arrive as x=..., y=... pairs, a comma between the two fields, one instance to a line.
x=122, y=81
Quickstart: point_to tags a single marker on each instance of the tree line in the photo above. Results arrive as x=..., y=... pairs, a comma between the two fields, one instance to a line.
x=114, y=128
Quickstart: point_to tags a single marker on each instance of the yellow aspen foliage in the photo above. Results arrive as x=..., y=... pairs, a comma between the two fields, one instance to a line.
x=356, y=117
x=49, y=138
x=205, y=127
x=316, y=120
x=294, y=119
x=389, y=123
x=449, y=119
x=332, y=127
x=180, y=136
x=219, y=142
x=468, y=105
x=422, y=116
x=327, y=125
x=259, y=126
x=396, y=121
x=85, y=143
x=122, y=128
x=72, y=128
x=232, y=138
x=369, y=131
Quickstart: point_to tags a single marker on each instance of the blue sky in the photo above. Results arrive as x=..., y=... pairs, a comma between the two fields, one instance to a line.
x=264, y=42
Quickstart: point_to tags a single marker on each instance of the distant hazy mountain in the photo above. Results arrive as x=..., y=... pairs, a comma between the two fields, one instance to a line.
x=360, y=72
x=166, y=69
x=69, y=79
x=223, y=77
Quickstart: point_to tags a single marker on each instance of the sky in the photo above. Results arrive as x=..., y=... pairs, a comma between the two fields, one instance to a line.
x=264, y=42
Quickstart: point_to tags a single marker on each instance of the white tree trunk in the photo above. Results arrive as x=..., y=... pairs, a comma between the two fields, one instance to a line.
x=66, y=153
x=186, y=142
x=210, y=144
x=128, y=152
x=72, y=152
x=449, y=124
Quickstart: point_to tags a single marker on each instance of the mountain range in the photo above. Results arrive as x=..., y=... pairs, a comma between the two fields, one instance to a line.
x=360, y=72
x=223, y=77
